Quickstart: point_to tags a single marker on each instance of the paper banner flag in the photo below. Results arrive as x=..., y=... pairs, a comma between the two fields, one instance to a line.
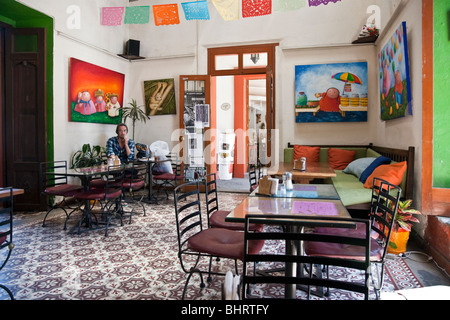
x=253, y=8
x=112, y=16
x=166, y=14
x=315, y=3
x=288, y=5
x=137, y=15
x=228, y=9
x=197, y=10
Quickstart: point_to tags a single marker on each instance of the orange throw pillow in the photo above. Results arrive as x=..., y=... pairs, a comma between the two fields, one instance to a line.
x=392, y=173
x=340, y=158
x=310, y=153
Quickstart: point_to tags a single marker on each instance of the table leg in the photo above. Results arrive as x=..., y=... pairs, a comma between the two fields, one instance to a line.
x=291, y=271
x=150, y=198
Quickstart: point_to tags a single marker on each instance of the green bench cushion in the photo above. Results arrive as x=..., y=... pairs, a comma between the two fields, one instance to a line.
x=350, y=189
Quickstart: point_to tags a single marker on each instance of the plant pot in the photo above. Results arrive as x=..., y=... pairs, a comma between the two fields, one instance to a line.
x=398, y=241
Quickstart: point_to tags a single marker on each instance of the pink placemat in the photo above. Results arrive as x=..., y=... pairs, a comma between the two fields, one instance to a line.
x=314, y=208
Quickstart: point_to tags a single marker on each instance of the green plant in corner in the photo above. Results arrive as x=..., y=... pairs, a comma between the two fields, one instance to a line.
x=404, y=215
x=402, y=225
x=134, y=112
x=88, y=156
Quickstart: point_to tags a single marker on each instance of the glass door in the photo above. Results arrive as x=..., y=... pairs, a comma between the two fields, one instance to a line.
x=197, y=122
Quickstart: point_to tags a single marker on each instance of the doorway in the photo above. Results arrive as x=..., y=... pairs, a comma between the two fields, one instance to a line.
x=245, y=108
x=22, y=106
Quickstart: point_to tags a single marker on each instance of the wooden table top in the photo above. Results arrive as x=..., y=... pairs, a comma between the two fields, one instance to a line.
x=288, y=206
x=5, y=193
x=320, y=170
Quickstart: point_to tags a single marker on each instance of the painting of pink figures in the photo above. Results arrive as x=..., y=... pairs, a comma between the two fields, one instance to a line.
x=395, y=86
x=95, y=93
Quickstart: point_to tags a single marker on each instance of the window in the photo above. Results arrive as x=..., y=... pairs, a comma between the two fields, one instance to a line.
x=253, y=59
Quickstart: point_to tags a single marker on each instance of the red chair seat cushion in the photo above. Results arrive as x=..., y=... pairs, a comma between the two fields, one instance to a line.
x=98, y=194
x=358, y=232
x=339, y=250
x=134, y=184
x=65, y=190
x=2, y=239
x=97, y=183
x=165, y=176
x=217, y=220
x=223, y=243
x=168, y=176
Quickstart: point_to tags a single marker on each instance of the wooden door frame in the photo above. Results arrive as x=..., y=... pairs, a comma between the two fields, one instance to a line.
x=210, y=98
x=435, y=201
x=24, y=173
x=240, y=70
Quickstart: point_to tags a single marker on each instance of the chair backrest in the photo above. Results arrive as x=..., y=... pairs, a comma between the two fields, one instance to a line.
x=212, y=202
x=6, y=221
x=291, y=232
x=136, y=176
x=187, y=212
x=252, y=177
x=385, y=198
x=49, y=173
x=114, y=179
x=175, y=162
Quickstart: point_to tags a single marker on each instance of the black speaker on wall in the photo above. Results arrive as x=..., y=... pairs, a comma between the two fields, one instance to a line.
x=132, y=47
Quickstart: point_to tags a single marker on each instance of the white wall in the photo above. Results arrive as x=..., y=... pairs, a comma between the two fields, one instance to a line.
x=225, y=94
x=323, y=133
x=407, y=131
x=182, y=49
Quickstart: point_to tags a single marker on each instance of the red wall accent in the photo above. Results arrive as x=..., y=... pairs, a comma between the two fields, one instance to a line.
x=241, y=123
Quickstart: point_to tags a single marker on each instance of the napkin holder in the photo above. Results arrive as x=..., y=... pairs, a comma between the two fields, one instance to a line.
x=264, y=186
x=300, y=164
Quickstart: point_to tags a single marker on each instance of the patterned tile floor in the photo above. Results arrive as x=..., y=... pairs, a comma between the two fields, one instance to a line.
x=137, y=261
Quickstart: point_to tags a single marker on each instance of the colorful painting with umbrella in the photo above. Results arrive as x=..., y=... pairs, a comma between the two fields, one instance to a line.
x=331, y=92
x=395, y=87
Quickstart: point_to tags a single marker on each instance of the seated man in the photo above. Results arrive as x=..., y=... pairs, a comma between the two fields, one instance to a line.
x=121, y=145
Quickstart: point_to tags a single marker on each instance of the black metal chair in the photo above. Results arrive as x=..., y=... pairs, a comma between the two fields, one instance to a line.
x=110, y=198
x=216, y=217
x=166, y=181
x=384, y=204
x=194, y=240
x=54, y=184
x=134, y=180
x=292, y=256
x=6, y=229
x=253, y=177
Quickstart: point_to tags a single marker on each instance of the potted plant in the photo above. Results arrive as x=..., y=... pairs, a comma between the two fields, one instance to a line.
x=88, y=156
x=402, y=227
x=134, y=112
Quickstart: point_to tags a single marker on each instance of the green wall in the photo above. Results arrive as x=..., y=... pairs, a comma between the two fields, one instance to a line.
x=441, y=113
x=20, y=16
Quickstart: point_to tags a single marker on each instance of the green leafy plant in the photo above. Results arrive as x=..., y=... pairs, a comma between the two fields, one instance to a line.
x=134, y=112
x=88, y=156
x=403, y=219
x=404, y=215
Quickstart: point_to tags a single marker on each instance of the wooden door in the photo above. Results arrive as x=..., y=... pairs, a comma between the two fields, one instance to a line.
x=193, y=137
x=24, y=140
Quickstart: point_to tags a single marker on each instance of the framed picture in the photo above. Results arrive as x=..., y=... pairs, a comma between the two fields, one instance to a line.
x=394, y=80
x=160, y=97
x=95, y=93
x=335, y=92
